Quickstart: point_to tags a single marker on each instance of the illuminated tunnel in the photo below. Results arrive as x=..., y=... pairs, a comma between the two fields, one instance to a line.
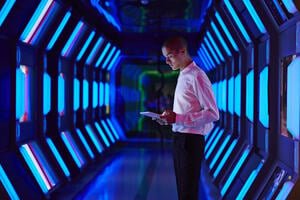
x=75, y=75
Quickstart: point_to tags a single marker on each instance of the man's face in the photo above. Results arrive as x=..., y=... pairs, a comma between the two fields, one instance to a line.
x=173, y=57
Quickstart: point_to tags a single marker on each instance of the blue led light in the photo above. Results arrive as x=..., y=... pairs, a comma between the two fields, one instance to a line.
x=237, y=21
x=102, y=54
x=293, y=98
x=58, y=30
x=85, y=46
x=215, y=46
x=204, y=59
x=101, y=94
x=94, y=51
x=255, y=16
x=46, y=94
x=106, y=142
x=290, y=6
x=230, y=94
x=106, y=94
x=263, y=97
x=61, y=94
x=224, y=95
x=212, y=63
x=250, y=95
x=212, y=147
x=85, y=94
x=112, y=128
x=216, y=31
x=235, y=171
x=113, y=61
x=220, y=95
x=95, y=94
x=5, y=10
x=220, y=150
x=20, y=93
x=85, y=144
x=279, y=9
x=212, y=51
x=285, y=191
x=108, y=57
x=226, y=31
x=76, y=95
x=7, y=185
x=108, y=131
x=94, y=138
x=58, y=157
x=220, y=166
x=237, y=94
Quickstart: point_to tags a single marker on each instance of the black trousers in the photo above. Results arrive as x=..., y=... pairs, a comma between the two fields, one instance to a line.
x=188, y=150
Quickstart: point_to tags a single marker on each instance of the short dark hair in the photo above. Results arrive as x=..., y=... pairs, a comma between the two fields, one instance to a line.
x=175, y=43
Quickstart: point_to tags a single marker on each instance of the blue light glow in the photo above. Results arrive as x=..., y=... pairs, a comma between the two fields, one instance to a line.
x=85, y=144
x=237, y=94
x=250, y=95
x=220, y=95
x=263, y=97
x=7, y=185
x=5, y=10
x=47, y=94
x=220, y=150
x=108, y=131
x=293, y=98
x=224, y=95
x=216, y=31
x=112, y=128
x=205, y=59
x=285, y=191
x=94, y=51
x=94, y=138
x=279, y=9
x=58, y=30
x=255, y=16
x=76, y=94
x=108, y=57
x=20, y=93
x=290, y=6
x=220, y=166
x=212, y=63
x=235, y=171
x=85, y=94
x=58, y=157
x=61, y=94
x=106, y=94
x=215, y=45
x=95, y=94
x=212, y=51
x=101, y=94
x=230, y=94
x=85, y=46
x=102, y=135
x=102, y=54
x=212, y=147
x=114, y=61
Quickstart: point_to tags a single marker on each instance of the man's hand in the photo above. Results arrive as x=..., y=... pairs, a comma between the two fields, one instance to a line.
x=169, y=116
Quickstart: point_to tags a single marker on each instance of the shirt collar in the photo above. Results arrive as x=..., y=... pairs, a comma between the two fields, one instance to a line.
x=188, y=68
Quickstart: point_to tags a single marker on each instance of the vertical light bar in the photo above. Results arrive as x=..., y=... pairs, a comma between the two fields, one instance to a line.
x=113, y=61
x=72, y=39
x=106, y=90
x=108, y=131
x=112, y=128
x=235, y=171
x=212, y=41
x=94, y=51
x=230, y=94
x=237, y=21
x=94, y=138
x=46, y=93
x=5, y=10
x=220, y=133
x=61, y=94
x=102, y=54
x=58, y=157
x=76, y=94
x=220, y=95
x=224, y=95
x=85, y=46
x=211, y=50
x=85, y=94
x=237, y=94
x=95, y=94
x=101, y=94
x=85, y=144
x=226, y=31
x=58, y=30
x=102, y=134
x=7, y=184
x=255, y=16
x=20, y=93
x=250, y=95
x=108, y=57
x=263, y=97
x=216, y=31
x=220, y=150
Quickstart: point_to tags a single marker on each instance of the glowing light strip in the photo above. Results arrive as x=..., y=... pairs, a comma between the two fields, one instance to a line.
x=58, y=157
x=94, y=138
x=85, y=144
x=255, y=16
x=46, y=93
x=263, y=97
x=106, y=94
x=94, y=51
x=108, y=131
x=224, y=95
x=102, y=54
x=203, y=60
x=72, y=39
x=230, y=94
x=208, y=64
x=229, y=151
x=85, y=94
x=212, y=51
x=112, y=128
x=35, y=168
x=237, y=21
x=72, y=149
x=113, y=61
x=5, y=10
x=102, y=134
x=61, y=94
x=85, y=46
x=95, y=94
x=237, y=94
x=216, y=31
x=76, y=94
x=250, y=95
x=220, y=150
x=211, y=138
x=235, y=171
x=108, y=57
x=215, y=45
x=208, y=56
x=285, y=191
x=7, y=185
x=210, y=150
x=101, y=94
x=20, y=93
x=226, y=31
x=290, y=6
x=58, y=30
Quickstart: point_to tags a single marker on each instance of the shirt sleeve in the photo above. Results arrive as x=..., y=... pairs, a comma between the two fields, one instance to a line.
x=208, y=111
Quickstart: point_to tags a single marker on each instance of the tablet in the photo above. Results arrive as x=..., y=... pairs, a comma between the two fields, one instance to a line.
x=150, y=114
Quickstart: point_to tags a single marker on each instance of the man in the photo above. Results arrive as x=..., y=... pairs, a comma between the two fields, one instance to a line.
x=194, y=111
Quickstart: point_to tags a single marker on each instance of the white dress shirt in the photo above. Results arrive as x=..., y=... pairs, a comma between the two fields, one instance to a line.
x=194, y=102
